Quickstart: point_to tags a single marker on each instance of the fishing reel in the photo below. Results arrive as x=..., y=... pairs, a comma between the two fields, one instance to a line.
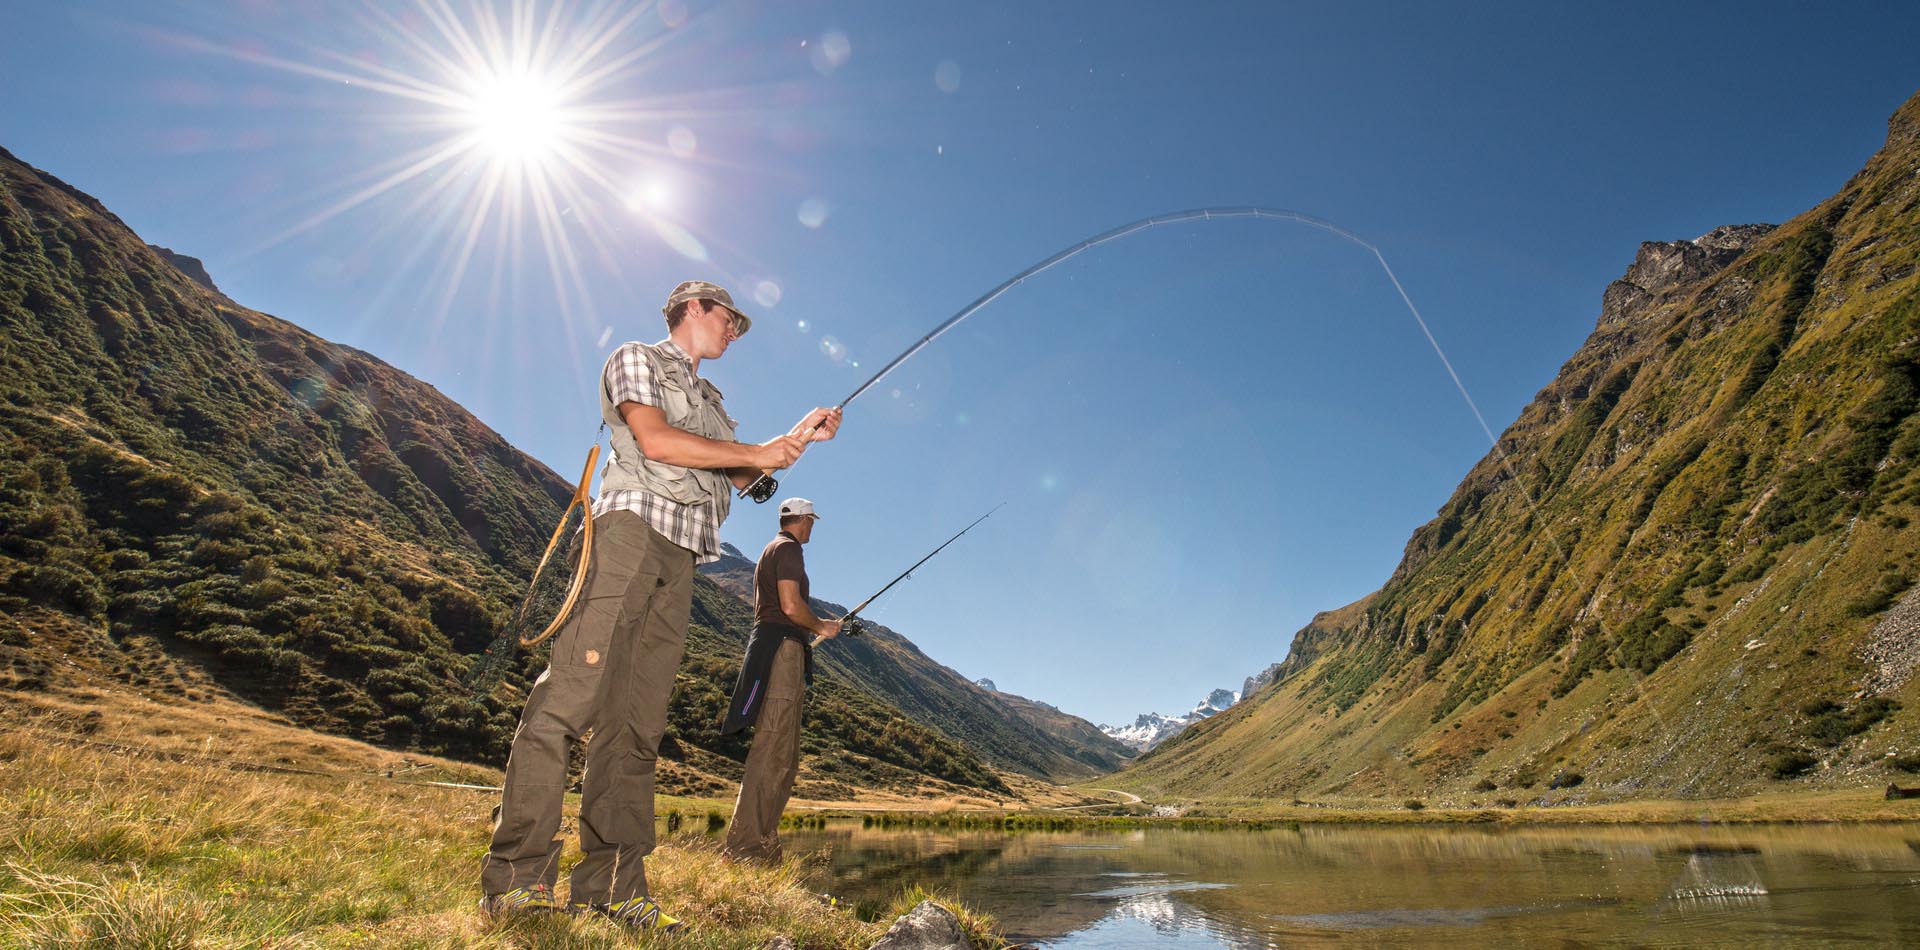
x=762, y=488
x=849, y=627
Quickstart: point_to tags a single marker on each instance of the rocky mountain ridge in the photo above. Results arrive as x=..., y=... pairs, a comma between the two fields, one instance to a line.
x=1008, y=731
x=1150, y=729
x=1684, y=570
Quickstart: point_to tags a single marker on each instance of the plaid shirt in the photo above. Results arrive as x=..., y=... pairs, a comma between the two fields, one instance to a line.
x=629, y=378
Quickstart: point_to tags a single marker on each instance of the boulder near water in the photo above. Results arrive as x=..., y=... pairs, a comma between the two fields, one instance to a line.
x=928, y=926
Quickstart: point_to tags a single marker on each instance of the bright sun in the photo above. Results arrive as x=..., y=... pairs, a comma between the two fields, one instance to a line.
x=520, y=136
x=516, y=117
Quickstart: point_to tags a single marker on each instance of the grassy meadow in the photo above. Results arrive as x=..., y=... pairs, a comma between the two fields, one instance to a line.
x=128, y=822
x=102, y=848
x=1796, y=807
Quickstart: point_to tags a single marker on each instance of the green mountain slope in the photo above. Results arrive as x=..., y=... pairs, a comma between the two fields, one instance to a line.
x=1084, y=741
x=1010, y=732
x=1678, y=572
x=196, y=497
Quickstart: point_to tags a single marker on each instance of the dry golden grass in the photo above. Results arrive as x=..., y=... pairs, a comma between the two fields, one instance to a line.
x=1825, y=805
x=216, y=729
x=115, y=850
x=1027, y=793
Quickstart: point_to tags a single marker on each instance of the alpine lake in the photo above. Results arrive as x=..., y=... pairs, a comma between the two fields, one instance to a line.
x=1400, y=885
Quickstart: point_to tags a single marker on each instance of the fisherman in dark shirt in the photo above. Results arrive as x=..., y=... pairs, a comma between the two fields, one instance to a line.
x=772, y=686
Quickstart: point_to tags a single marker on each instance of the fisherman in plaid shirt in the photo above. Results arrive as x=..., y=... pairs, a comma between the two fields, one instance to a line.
x=666, y=490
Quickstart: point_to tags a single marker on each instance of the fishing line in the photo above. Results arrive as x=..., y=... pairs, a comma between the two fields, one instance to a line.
x=763, y=487
x=850, y=619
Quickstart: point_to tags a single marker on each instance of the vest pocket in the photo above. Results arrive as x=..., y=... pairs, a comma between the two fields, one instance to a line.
x=676, y=406
x=683, y=485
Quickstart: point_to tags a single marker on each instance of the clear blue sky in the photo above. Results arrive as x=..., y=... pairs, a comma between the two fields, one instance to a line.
x=1204, y=434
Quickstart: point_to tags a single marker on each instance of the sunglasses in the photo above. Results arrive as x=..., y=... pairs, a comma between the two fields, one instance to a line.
x=733, y=319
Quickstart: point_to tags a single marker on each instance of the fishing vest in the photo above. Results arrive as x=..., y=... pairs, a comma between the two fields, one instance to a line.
x=690, y=403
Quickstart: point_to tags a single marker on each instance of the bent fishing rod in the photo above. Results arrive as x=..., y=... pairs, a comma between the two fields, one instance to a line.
x=762, y=488
x=849, y=622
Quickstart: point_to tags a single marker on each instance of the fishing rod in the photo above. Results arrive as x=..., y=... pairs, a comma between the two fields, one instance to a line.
x=850, y=624
x=762, y=488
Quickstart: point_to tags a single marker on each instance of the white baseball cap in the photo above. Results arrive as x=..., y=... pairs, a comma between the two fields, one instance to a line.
x=797, y=507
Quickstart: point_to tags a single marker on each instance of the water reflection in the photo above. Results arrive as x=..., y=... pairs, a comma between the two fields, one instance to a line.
x=1153, y=887
x=1152, y=920
x=1674, y=885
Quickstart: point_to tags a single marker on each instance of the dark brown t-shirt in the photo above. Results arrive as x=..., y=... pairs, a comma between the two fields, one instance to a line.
x=780, y=560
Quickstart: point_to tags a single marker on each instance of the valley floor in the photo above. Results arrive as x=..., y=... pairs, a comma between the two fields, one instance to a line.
x=128, y=819
x=121, y=829
x=1863, y=805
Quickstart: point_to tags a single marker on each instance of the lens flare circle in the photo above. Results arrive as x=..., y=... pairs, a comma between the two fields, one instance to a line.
x=812, y=213
x=682, y=141
x=652, y=194
x=831, y=52
x=680, y=239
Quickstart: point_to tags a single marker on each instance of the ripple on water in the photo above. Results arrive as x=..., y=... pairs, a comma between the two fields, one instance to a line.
x=1404, y=917
x=1166, y=887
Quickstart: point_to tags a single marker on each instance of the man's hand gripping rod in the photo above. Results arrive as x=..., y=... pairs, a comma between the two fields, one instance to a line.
x=761, y=489
x=850, y=625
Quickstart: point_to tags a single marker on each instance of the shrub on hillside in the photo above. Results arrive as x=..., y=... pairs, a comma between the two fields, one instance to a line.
x=58, y=586
x=1788, y=763
x=1882, y=596
x=1830, y=724
x=1590, y=656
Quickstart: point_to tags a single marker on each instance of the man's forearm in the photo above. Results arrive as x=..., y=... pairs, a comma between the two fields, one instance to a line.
x=743, y=476
x=687, y=450
x=802, y=617
x=662, y=442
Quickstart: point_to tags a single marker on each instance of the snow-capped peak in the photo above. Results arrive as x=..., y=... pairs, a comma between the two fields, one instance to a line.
x=1153, y=728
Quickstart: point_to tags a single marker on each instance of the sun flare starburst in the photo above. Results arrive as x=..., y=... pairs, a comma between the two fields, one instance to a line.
x=513, y=130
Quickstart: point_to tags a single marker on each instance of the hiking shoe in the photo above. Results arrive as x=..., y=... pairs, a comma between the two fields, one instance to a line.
x=532, y=899
x=640, y=913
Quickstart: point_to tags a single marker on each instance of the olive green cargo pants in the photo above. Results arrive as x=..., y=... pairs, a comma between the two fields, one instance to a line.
x=611, y=671
x=773, y=762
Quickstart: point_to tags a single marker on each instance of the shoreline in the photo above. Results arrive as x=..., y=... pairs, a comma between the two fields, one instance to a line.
x=1859, y=806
